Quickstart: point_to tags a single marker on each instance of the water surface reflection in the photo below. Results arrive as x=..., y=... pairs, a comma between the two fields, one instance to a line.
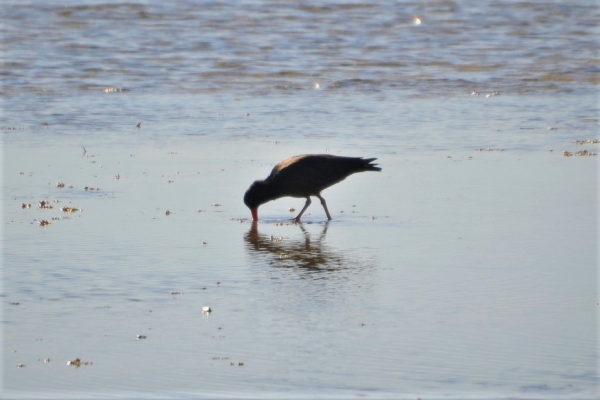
x=306, y=251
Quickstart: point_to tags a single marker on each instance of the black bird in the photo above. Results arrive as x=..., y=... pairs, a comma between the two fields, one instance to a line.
x=304, y=176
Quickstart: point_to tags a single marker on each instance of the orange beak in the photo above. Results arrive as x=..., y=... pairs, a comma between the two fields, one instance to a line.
x=254, y=212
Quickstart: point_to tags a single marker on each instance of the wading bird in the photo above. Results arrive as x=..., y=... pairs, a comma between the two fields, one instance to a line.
x=304, y=176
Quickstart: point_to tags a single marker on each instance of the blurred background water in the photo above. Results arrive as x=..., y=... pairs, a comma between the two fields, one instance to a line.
x=490, y=70
x=470, y=276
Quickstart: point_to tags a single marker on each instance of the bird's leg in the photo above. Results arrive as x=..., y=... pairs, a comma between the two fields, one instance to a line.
x=297, y=217
x=324, y=204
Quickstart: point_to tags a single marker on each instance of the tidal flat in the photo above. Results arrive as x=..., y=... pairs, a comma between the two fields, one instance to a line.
x=471, y=273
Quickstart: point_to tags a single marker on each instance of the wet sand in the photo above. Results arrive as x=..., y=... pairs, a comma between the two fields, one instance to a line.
x=453, y=273
x=445, y=275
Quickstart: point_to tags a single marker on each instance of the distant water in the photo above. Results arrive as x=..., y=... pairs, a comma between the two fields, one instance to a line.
x=421, y=48
x=425, y=75
x=454, y=273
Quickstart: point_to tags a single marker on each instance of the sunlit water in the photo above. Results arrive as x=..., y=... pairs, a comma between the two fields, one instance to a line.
x=452, y=273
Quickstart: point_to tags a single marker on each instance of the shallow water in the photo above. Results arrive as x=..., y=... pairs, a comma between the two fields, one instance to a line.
x=453, y=273
x=456, y=276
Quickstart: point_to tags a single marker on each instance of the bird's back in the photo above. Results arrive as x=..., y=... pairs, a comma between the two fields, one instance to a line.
x=307, y=175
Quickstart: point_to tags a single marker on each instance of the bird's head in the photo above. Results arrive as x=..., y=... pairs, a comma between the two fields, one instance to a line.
x=256, y=195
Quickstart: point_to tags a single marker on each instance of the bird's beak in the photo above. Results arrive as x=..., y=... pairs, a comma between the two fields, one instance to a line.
x=254, y=212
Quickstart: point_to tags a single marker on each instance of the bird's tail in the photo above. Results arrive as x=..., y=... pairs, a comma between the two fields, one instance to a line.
x=367, y=166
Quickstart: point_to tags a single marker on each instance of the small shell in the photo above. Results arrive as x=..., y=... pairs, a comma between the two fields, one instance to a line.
x=76, y=362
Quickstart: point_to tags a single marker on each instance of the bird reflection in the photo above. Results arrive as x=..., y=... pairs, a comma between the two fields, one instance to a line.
x=306, y=252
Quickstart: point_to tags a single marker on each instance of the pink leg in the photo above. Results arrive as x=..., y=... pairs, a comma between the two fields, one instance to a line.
x=324, y=204
x=297, y=217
